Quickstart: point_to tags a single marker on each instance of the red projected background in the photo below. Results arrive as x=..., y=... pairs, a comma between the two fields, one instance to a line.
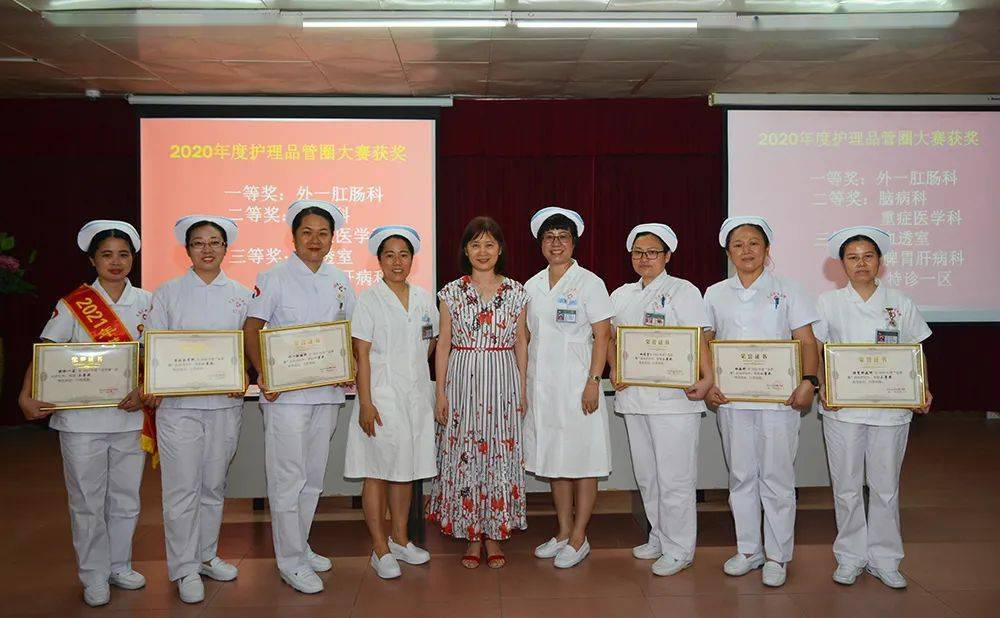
x=376, y=171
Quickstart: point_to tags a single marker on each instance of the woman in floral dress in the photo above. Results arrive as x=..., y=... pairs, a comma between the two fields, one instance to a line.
x=481, y=364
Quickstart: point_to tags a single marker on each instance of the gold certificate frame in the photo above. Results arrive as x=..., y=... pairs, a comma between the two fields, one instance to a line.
x=758, y=371
x=84, y=375
x=180, y=363
x=875, y=375
x=299, y=357
x=643, y=353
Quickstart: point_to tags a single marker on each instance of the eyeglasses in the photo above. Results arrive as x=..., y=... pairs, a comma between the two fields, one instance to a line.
x=200, y=245
x=562, y=239
x=652, y=254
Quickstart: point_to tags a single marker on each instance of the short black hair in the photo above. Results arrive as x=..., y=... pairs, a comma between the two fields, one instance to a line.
x=767, y=241
x=476, y=228
x=663, y=244
x=381, y=245
x=558, y=222
x=191, y=228
x=856, y=238
x=100, y=237
x=312, y=210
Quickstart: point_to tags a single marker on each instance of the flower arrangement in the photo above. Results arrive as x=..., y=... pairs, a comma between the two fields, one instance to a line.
x=12, y=279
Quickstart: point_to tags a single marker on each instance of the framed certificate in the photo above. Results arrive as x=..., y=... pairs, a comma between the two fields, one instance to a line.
x=757, y=371
x=84, y=375
x=194, y=362
x=297, y=357
x=659, y=356
x=874, y=375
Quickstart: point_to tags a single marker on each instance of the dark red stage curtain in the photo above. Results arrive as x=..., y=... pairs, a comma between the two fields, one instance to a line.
x=618, y=162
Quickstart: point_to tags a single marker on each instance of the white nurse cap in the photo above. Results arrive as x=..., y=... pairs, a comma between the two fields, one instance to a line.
x=93, y=228
x=661, y=231
x=296, y=207
x=878, y=236
x=379, y=235
x=539, y=218
x=732, y=223
x=184, y=224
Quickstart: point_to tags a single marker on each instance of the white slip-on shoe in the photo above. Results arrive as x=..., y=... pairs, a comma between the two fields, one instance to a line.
x=774, y=574
x=319, y=564
x=647, y=551
x=128, y=579
x=846, y=574
x=386, y=566
x=190, y=588
x=219, y=570
x=893, y=579
x=305, y=581
x=550, y=548
x=410, y=553
x=569, y=557
x=741, y=565
x=97, y=594
x=668, y=565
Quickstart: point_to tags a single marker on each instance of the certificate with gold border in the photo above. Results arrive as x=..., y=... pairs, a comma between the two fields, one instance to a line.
x=180, y=363
x=862, y=375
x=757, y=371
x=84, y=375
x=658, y=356
x=297, y=357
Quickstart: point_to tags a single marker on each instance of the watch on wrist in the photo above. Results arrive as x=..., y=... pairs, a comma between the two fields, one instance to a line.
x=812, y=380
x=595, y=379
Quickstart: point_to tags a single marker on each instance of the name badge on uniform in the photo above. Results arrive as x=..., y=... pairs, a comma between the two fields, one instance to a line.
x=654, y=319
x=566, y=316
x=886, y=336
x=426, y=330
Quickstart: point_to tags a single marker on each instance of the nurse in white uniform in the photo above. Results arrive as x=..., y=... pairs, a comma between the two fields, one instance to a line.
x=197, y=435
x=102, y=459
x=662, y=423
x=390, y=441
x=566, y=438
x=298, y=425
x=866, y=445
x=760, y=440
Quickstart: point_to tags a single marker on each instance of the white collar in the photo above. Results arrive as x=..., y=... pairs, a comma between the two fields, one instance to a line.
x=220, y=279
x=300, y=267
x=128, y=294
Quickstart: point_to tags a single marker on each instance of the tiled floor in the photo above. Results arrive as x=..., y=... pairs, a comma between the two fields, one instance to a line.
x=951, y=524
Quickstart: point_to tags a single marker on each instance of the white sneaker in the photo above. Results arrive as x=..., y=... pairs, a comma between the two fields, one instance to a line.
x=190, y=588
x=127, y=580
x=219, y=570
x=893, y=579
x=569, y=557
x=846, y=574
x=97, y=595
x=410, y=553
x=647, y=551
x=774, y=574
x=668, y=565
x=741, y=565
x=386, y=566
x=319, y=564
x=305, y=581
x=550, y=548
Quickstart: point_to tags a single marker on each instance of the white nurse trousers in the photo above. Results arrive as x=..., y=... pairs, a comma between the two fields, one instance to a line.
x=103, y=472
x=858, y=453
x=296, y=449
x=665, y=461
x=760, y=448
x=196, y=447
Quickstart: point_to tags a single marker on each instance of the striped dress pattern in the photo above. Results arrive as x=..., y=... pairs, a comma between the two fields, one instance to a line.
x=479, y=491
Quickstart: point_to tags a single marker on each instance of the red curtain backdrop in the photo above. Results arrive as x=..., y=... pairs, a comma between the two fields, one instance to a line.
x=617, y=162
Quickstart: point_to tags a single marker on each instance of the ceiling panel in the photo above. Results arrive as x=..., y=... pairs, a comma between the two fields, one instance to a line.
x=276, y=57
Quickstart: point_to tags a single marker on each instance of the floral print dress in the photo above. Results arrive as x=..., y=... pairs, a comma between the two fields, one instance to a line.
x=479, y=491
